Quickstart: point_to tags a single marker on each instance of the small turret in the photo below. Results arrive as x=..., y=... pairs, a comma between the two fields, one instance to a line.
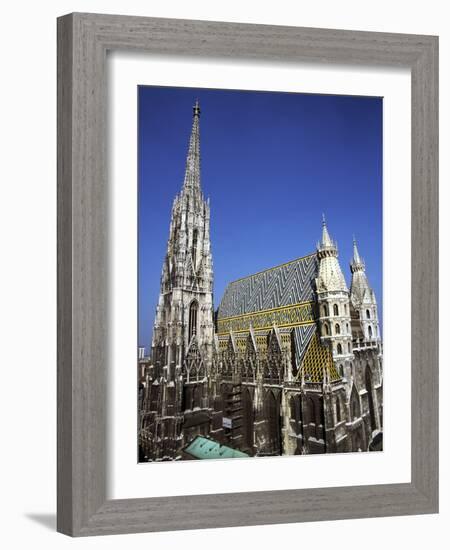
x=363, y=298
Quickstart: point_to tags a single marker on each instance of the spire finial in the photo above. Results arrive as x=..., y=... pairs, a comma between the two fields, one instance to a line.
x=196, y=108
x=326, y=239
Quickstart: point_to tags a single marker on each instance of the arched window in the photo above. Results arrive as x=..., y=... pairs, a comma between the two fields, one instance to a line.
x=248, y=419
x=370, y=332
x=196, y=397
x=345, y=309
x=272, y=411
x=367, y=313
x=325, y=310
x=325, y=329
x=193, y=310
x=356, y=413
x=349, y=347
x=338, y=410
x=348, y=328
x=370, y=395
x=341, y=370
x=339, y=349
x=194, y=247
x=336, y=310
x=337, y=328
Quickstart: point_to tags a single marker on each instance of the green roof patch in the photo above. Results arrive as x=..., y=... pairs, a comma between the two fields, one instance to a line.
x=204, y=448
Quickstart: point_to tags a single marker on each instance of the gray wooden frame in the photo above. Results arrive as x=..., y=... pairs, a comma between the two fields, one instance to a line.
x=83, y=40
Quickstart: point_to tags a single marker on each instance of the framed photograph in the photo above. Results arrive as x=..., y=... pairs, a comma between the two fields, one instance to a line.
x=247, y=269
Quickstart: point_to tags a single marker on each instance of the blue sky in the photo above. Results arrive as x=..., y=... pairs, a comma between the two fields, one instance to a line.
x=271, y=164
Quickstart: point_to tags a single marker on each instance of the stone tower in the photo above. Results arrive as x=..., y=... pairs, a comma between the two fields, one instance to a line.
x=363, y=298
x=333, y=303
x=184, y=322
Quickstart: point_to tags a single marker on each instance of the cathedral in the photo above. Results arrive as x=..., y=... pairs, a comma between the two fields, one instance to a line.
x=290, y=362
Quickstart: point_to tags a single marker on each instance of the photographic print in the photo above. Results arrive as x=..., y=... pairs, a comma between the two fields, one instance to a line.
x=260, y=274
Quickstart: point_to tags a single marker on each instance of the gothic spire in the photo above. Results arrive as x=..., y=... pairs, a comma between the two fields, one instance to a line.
x=326, y=242
x=359, y=289
x=357, y=264
x=192, y=173
x=330, y=274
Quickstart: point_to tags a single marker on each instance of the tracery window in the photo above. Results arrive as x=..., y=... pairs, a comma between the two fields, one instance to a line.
x=370, y=331
x=338, y=410
x=337, y=328
x=193, y=311
x=194, y=247
x=336, y=310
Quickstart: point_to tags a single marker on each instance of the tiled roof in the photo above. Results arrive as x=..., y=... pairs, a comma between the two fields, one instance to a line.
x=289, y=283
x=205, y=448
x=317, y=361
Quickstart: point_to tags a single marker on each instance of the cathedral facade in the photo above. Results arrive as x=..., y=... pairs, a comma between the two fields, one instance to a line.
x=290, y=363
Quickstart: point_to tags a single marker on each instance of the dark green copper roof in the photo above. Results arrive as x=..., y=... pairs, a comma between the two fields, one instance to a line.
x=204, y=448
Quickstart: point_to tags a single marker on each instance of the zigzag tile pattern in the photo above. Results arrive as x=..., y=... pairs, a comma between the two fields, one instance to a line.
x=278, y=286
x=302, y=338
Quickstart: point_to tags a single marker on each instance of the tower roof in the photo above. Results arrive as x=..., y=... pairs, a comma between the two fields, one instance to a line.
x=360, y=290
x=326, y=242
x=357, y=262
x=330, y=276
x=326, y=239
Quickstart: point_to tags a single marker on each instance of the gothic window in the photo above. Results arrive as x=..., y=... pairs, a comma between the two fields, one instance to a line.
x=349, y=347
x=341, y=370
x=370, y=332
x=295, y=409
x=325, y=310
x=325, y=329
x=370, y=395
x=248, y=419
x=348, y=328
x=193, y=311
x=338, y=410
x=197, y=397
x=320, y=418
x=337, y=328
x=355, y=405
x=336, y=310
x=309, y=411
x=339, y=349
x=194, y=247
x=273, y=422
x=367, y=314
x=345, y=309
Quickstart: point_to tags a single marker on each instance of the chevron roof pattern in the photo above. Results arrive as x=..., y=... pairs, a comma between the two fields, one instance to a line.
x=289, y=283
x=317, y=361
x=302, y=337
